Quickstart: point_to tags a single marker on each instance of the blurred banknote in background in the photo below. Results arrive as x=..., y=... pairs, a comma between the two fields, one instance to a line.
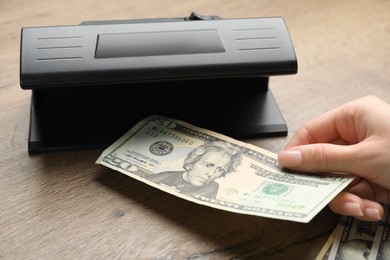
x=355, y=239
x=217, y=171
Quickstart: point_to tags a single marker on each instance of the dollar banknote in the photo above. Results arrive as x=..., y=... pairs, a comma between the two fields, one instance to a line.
x=381, y=247
x=214, y=170
x=355, y=239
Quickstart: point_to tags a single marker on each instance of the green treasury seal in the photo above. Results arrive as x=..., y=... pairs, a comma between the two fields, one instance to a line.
x=275, y=188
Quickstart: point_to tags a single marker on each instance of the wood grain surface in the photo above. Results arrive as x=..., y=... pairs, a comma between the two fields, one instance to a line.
x=63, y=206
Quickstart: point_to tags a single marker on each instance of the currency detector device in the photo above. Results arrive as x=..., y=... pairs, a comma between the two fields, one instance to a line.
x=92, y=82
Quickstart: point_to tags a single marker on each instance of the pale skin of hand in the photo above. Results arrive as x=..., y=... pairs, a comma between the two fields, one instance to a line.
x=352, y=139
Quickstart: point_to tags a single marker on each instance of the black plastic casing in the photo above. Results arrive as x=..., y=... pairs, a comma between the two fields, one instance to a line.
x=138, y=52
x=92, y=82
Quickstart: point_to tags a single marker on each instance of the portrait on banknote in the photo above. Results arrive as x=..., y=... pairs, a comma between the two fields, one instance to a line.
x=354, y=249
x=201, y=167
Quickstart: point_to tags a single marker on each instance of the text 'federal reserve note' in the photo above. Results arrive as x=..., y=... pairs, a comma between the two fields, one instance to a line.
x=217, y=171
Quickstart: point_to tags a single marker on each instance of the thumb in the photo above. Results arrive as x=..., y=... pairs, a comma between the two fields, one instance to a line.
x=320, y=158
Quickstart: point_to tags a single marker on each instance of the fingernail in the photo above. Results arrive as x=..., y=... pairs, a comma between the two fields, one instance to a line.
x=290, y=158
x=353, y=209
x=372, y=213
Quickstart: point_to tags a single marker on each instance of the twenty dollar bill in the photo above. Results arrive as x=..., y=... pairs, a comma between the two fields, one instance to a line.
x=217, y=171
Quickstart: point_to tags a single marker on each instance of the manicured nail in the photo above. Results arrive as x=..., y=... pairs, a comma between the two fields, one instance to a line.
x=354, y=209
x=372, y=213
x=290, y=158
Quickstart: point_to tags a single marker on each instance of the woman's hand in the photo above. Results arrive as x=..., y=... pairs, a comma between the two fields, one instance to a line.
x=353, y=139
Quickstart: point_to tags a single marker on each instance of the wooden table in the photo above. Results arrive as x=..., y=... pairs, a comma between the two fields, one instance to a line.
x=63, y=206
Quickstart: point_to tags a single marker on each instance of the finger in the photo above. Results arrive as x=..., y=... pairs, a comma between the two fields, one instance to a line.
x=320, y=158
x=370, y=191
x=335, y=126
x=349, y=204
